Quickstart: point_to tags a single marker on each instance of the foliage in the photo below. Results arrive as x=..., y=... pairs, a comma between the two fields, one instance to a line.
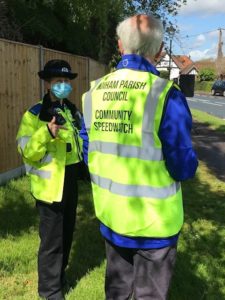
x=8, y=28
x=114, y=61
x=203, y=86
x=164, y=74
x=207, y=74
x=204, y=273
x=207, y=63
x=83, y=27
x=163, y=9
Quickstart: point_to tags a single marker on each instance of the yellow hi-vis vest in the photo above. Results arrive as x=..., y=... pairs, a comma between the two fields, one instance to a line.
x=134, y=195
x=45, y=157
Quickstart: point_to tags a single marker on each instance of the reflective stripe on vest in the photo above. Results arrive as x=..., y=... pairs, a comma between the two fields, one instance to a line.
x=144, y=153
x=135, y=190
x=41, y=173
x=30, y=169
x=46, y=159
x=88, y=105
x=148, y=151
x=23, y=141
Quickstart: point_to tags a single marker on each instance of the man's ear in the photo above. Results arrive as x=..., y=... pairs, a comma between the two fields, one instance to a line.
x=120, y=46
x=157, y=56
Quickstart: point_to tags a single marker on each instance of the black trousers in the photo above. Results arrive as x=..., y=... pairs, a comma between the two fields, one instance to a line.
x=57, y=222
x=138, y=273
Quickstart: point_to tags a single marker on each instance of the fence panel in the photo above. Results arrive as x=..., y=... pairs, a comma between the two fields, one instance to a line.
x=20, y=88
x=96, y=69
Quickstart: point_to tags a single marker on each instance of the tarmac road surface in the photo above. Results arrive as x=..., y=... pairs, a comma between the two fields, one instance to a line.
x=214, y=105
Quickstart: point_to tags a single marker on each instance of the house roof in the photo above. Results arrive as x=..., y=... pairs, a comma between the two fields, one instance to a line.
x=162, y=55
x=183, y=62
x=188, y=69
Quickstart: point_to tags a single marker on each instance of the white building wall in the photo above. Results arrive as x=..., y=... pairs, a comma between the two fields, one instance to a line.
x=164, y=66
x=174, y=73
x=193, y=72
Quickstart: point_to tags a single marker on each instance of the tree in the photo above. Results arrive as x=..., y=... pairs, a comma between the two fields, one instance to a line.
x=8, y=28
x=207, y=74
x=83, y=27
x=163, y=9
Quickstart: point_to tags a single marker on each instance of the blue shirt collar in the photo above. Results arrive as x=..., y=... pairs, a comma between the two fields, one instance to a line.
x=136, y=62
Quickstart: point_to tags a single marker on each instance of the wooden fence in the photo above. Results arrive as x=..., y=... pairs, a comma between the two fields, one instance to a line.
x=20, y=88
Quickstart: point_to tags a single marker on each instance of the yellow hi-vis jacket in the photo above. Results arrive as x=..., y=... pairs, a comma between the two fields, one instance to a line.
x=134, y=195
x=45, y=157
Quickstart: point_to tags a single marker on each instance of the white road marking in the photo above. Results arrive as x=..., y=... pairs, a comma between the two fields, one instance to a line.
x=214, y=104
x=192, y=100
x=220, y=103
x=205, y=101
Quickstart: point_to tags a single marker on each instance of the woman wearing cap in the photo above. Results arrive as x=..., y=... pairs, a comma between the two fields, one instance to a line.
x=49, y=144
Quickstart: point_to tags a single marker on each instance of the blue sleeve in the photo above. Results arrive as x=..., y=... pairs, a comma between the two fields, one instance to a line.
x=175, y=136
x=83, y=134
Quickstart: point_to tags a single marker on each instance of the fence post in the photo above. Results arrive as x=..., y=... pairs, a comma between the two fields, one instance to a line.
x=89, y=77
x=41, y=65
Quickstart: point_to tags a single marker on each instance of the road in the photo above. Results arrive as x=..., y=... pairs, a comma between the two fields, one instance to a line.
x=214, y=105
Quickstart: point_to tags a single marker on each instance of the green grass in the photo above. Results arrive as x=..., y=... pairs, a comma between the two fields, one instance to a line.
x=209, y=120
x=200, y=268
x=19, y=244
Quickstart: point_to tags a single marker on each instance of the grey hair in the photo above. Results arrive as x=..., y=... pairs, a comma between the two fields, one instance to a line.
x=135, y=41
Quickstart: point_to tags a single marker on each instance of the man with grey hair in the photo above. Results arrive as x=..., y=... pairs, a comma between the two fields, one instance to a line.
x=140, y=35
x=137, y=132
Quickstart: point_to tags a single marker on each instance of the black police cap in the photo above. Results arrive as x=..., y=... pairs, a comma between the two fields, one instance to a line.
x=57, y=68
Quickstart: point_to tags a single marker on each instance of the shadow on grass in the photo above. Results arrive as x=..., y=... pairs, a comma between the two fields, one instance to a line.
x=221, y=128
x=17, y=208
x=210, y=147
x=88, y=250
x=198, y=272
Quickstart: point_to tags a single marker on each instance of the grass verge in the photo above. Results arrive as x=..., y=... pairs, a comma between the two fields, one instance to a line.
x=199, y=272
x=209, y=120
x=200, y=269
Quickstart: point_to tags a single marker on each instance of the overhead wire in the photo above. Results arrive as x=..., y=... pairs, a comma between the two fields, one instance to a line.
x=181, y=41
x=206, y=32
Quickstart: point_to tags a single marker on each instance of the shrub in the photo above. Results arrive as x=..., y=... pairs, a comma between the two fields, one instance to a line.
x=207, y=74
x=164, y=74
x=203, y=86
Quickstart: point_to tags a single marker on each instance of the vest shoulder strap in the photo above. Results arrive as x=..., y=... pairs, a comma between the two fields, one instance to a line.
x=176, y=86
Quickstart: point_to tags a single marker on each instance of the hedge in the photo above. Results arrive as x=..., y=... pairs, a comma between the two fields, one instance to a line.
x=203, y=86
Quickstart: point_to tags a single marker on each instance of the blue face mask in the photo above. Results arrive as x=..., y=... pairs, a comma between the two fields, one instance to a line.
x=61, y=89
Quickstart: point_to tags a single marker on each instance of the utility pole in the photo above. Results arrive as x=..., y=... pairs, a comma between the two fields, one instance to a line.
x=170, y=53
x=219, y=59
x=171, y=32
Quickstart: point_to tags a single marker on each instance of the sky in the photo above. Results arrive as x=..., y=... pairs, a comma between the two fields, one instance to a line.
x=198, y=22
